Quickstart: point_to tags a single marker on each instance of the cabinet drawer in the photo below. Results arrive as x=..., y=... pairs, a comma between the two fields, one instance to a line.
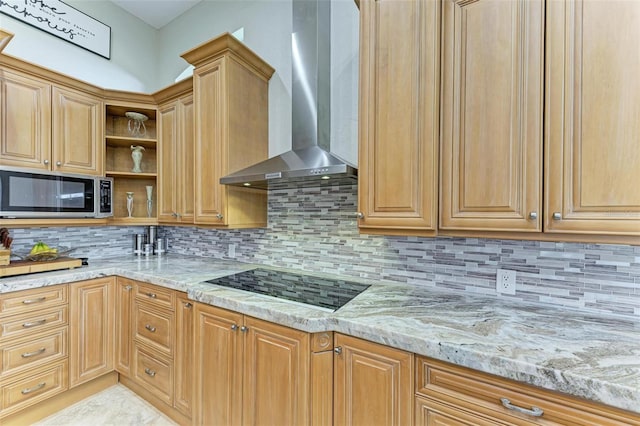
x=18, y=326
x=154, y=328
x=158, y=296
x=481, y=393
x=33, y=387
x=21, y=302
x=154, y=372
x=33, y=351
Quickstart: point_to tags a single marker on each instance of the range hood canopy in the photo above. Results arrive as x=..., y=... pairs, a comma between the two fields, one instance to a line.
x=310, y=161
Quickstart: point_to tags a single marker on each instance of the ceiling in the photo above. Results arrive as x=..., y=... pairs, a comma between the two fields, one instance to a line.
x=156, y=13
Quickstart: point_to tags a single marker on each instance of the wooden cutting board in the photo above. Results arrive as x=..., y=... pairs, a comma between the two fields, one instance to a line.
x=19, y=267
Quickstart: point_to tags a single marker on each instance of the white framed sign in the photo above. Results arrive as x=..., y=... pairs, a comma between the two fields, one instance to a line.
x=63, y=21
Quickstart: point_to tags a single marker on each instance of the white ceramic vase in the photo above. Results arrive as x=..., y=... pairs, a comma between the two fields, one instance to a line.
x=136, y=155
x=130, y=203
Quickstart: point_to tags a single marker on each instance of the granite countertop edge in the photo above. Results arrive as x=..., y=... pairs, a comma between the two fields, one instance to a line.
x=383, y=315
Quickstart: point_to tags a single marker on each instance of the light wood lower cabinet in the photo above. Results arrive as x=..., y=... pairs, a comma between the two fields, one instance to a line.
x=91, y=329
x=124, y=325
x=254, y=372
x=34, y=351
x=373, y=383
x=447, y=394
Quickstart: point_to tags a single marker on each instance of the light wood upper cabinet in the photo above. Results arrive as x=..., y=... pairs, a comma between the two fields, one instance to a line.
x=373, y=384
x=77, y=123
x=592, y=109
x=91, y=329
x=399, y=110
x=230, y=89
x=176, y=161
x=492, y=85
x=25, y=121
x=49, y=127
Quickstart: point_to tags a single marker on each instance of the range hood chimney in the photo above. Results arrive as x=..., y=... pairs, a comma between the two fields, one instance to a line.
x=310, y=161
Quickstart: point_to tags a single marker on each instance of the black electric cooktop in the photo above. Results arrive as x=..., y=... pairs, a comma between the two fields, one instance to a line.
x=324, y=292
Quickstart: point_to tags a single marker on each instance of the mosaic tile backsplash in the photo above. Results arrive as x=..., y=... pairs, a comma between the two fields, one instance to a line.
x=314, y=229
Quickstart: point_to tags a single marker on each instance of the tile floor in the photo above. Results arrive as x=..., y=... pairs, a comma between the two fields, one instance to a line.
x=115, y=406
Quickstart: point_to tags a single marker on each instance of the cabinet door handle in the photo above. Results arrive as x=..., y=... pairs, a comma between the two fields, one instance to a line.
x=234, y=327
x=149, y=372
x=359, y=215
x=32, y=301
x=557, y=216
x=34, y=324
x=244, y=329
x=58, y=163
x=33, y=389
x=534, y=411
x=34, y=353
x=188, y=305
x=337, y=350
x=150, y=328
x=152, y=295
x=128, y=287
x=533, y=215
x=46, y=162
x=219, y=216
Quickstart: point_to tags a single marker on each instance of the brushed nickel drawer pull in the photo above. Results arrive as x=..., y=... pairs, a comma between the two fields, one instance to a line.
x=150, y=328
x=244, y=329
x=33, y=389
x=34, y=324
x=337, y=350
x=534, y=411
x=152, y=295
x=150, y=372
x=32, y=301
x=34, y=353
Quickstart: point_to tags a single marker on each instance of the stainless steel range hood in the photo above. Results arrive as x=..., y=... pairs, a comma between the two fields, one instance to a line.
x=310, y=161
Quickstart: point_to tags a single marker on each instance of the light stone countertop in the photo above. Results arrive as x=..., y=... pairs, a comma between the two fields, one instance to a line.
x=581, y=354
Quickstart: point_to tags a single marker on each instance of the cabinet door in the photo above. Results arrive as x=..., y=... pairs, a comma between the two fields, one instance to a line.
x=77, y=132
x=185, y=160
x=432, y=413
x=592, y=154
x=218, y=363
x=276, y=375
x=184, y=357
x=399, y=99
x=91, y=329
x=491, y=151
x=124, y=325
x=167, y=165
x=25, y=121
x=373, y=384
x=210, y=150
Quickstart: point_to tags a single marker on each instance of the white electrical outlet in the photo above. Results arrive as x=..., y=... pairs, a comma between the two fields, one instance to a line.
x=232, y=250
x=506, y=281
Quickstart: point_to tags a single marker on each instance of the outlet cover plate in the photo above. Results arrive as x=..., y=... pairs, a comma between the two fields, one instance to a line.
x=506, y=281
